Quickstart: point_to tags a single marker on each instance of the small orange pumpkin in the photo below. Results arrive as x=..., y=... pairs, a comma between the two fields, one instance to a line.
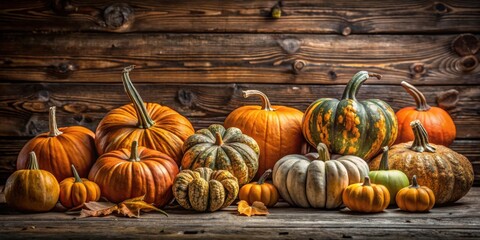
x=32, y=189
x=366, y=197
x=75, y=191
x=260, y=191
x=61, y=147
x=438, y=123
x=415, y=198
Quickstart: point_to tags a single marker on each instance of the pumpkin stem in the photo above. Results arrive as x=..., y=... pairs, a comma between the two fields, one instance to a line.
x=52, y=123
x=134, y=152
x=75, y=175
x=265, y=102
x=218, y=139
x=264, y=176
x=144, y=119
x=414, y=182
x=420, y=142
x=32, y=161
x=384, y=161
x=367, y=182
x=354, y=84
x=417, y=95
x=323, y=153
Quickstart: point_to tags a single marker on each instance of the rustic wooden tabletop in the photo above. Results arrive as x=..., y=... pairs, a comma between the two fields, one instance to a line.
x=458, y=221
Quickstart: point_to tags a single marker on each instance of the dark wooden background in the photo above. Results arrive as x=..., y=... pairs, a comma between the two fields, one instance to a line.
x=197, y=56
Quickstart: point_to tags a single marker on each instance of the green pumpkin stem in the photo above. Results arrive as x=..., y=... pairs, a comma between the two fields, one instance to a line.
x=32, y=161
x=367, y=182
x=264, y=176
x=134, y=152
x=218, y=139
x=384, y=161
x=414, y=182
x=265, y=102
x=52, y=123
x=420, y=142
x=323, y=153
x=354, y=84
x=418, y=96
x=75, y=175
x=144, y=119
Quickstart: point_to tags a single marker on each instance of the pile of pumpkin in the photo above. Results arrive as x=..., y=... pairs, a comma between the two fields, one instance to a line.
x=139, y=149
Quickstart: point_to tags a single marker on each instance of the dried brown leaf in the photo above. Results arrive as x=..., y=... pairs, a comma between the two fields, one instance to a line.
x=257, y=208
x=130, y=208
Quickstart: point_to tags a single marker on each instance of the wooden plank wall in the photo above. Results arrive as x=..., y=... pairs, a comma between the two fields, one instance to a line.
x=197, y=56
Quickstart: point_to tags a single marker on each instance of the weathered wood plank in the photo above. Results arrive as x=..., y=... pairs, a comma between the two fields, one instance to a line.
x=237, y=58
x=371, y=16
x=460, y=220
x=24, y=106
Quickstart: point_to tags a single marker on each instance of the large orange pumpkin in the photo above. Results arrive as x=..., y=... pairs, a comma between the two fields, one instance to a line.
x=276, y=129
x=128, y=173
x=59, y=148
x=438, y=123
x=154, y=126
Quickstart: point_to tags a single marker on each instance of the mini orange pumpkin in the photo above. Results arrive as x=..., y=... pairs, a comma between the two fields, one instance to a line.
x=32, y=189
x=61, y=147
x=438, y=123
x=366, y=197
x=154, y=126
x=128, y=173
x=276, y=129
x=415, y=198
x=75, y=191
x=260, y=191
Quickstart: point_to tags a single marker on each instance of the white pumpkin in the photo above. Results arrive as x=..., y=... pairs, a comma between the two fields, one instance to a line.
x=313, y=180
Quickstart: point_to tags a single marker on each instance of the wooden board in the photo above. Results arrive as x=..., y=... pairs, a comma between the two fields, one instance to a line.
x=242, y=16
x=239, y=58
x=24, y=106
x=458, y=221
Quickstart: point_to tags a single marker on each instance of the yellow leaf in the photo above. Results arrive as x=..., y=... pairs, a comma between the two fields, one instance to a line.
x=257, y=208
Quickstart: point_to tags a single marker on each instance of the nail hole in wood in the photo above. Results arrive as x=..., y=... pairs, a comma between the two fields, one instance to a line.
x=346, y=31
x=299, y=66
x=62, y=70
x=440, y=8
x=332, y=74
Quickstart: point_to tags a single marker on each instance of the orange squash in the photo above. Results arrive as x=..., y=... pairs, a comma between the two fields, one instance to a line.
x=260, y=191
x=32, y=189
x=276, y=129
x=75, y=191
x=59, y=148
x=415, y=198
x=366, y=197
x=154, y=126
x=129, y=173
x=438, y=123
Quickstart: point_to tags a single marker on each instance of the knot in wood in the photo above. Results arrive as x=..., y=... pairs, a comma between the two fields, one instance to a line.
x=465, y=44
x=440, y=8
x=63, y=7
x=118, y=16
x=468, y=63
x=186, y=98
x=62, y=70
x=290, y=45
x=417, y=70
x=298, y=66
x=448, y=99
x=346, y=31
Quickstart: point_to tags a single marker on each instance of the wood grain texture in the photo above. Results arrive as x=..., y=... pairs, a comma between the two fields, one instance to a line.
x=24, y=106
x=457, y=221
x=304, y=16
x=237, y=58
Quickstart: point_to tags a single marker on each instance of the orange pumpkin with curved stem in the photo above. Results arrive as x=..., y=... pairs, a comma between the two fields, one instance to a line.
x=366, y=197
x=438, y=123
x=154, y=126
x=129, y=173
x=276, y=129
x=59, y=148
x=260, y=191
x=415, y=198
x=75, y=191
